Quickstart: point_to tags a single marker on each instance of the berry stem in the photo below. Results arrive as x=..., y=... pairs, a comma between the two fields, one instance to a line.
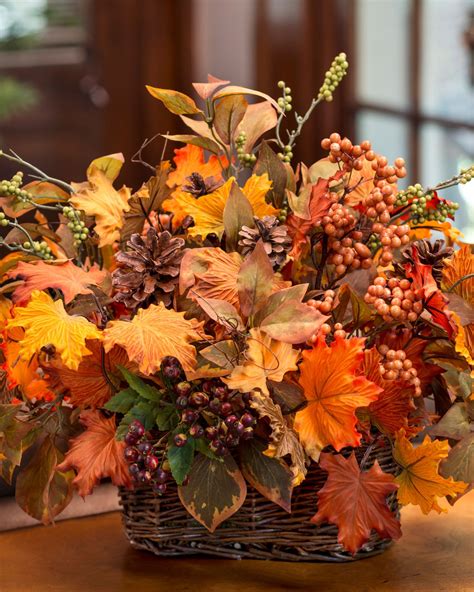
x=40, y=174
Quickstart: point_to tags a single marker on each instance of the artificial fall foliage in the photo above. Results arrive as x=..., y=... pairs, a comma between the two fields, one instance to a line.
x=238, y=321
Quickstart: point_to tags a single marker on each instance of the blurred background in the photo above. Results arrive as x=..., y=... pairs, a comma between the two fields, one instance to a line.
x=73, y=75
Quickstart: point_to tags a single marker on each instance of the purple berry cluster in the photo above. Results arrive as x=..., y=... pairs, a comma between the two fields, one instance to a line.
x=208, y=409
x=142, y=456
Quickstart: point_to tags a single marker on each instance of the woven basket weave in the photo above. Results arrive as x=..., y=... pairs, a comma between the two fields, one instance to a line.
x=259, y=530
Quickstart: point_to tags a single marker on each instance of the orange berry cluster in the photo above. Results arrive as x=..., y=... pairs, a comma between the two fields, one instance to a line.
x=396, y=366
x=326, y=329
x=326, y=304
x=389, y=237
x=394, y=299
x=343, y=151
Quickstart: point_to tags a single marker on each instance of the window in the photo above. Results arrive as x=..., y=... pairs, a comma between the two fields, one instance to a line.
x=415, y=89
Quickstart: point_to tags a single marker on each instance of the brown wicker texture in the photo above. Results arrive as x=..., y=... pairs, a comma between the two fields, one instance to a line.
x=259, y=530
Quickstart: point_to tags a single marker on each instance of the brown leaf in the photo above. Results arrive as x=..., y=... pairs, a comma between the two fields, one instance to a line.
x=238, y=212
x=176, y=102
x=229, y=112
x=254, y=281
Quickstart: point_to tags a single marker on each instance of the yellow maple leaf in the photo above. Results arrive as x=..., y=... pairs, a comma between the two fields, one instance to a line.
x=46, y=322
x=99, y=198
x=420, y=482
x=152, y=334
x=208, y=210
x=265, y=358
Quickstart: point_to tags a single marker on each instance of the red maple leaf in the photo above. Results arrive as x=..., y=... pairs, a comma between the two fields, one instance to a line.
x=355, y=501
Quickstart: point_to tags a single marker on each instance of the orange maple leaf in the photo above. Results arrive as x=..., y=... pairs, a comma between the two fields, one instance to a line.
x=97, y=377
x=190, y=159
x=334, y=391
x=67, y=277
x=99, y=198
x=355, y=501
x=96, y=454
x=420, y=482
x=395, y=403
x=152, y=334
x=265, y=358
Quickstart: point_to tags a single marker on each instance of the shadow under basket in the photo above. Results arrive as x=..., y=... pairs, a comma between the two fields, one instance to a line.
x=259, y=530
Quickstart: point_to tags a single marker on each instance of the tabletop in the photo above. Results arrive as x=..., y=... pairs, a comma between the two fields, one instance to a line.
x=435, y=554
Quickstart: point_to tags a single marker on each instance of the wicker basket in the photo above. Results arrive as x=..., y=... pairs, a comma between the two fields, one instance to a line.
x=259, y=530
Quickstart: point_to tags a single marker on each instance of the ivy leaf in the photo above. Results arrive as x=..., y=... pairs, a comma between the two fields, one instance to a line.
x=275, y=300
x=237, y=213
x=176, y=102
x=42, y=491
x=180, y=459
x=268, y=162
x=456, y=423
x=145, y=390
x=270, y=476
x=459, y=464
x=255, y=281
x=216, y=490
x=229, y=112
x=355, y=501
x=122, y=402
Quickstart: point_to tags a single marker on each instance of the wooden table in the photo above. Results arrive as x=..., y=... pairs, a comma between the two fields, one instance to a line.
x=436, y=554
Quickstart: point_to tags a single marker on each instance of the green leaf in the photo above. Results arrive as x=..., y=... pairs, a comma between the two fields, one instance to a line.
x=145, y=412
x=123, y=401
x=268, y=162
x=237, y=213
x=215, y=491
x=123, y=426
x=455, y=423
x=145, y=390
x=202, y=446
x=180, y=459
x=41, y=490
x=229, y=112
x=176, y=102
x=270, y=476
x=293, y=322
x=460, y=461
x=205, y=143
x=255, y=281
x=166, y=417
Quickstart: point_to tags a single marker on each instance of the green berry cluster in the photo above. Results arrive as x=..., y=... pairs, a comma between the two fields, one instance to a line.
x=333, y=77
x=3, y=220
x=39, y=248
x=13, y=188
x=287, y=154
x=76, y=225
x=284, y=102
x=418, y=199
x=246, y=158
x=466, y=175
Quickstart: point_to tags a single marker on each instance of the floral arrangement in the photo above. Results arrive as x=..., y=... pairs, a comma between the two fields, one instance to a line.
x=235, y=320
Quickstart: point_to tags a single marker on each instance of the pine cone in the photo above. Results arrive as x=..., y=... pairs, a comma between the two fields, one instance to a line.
x=198, y=186
x=149, y=269
x=275, y=238
x=430, y=254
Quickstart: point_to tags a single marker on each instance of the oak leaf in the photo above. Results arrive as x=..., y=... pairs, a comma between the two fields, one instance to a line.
x=96, y=454
x=152, y=334
x=334, y=390
x=265, y=359
x=355, y=501
x=420, y=482
x=67, y=277
x=283, y=439
x=99, y=198
x=46, y=322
